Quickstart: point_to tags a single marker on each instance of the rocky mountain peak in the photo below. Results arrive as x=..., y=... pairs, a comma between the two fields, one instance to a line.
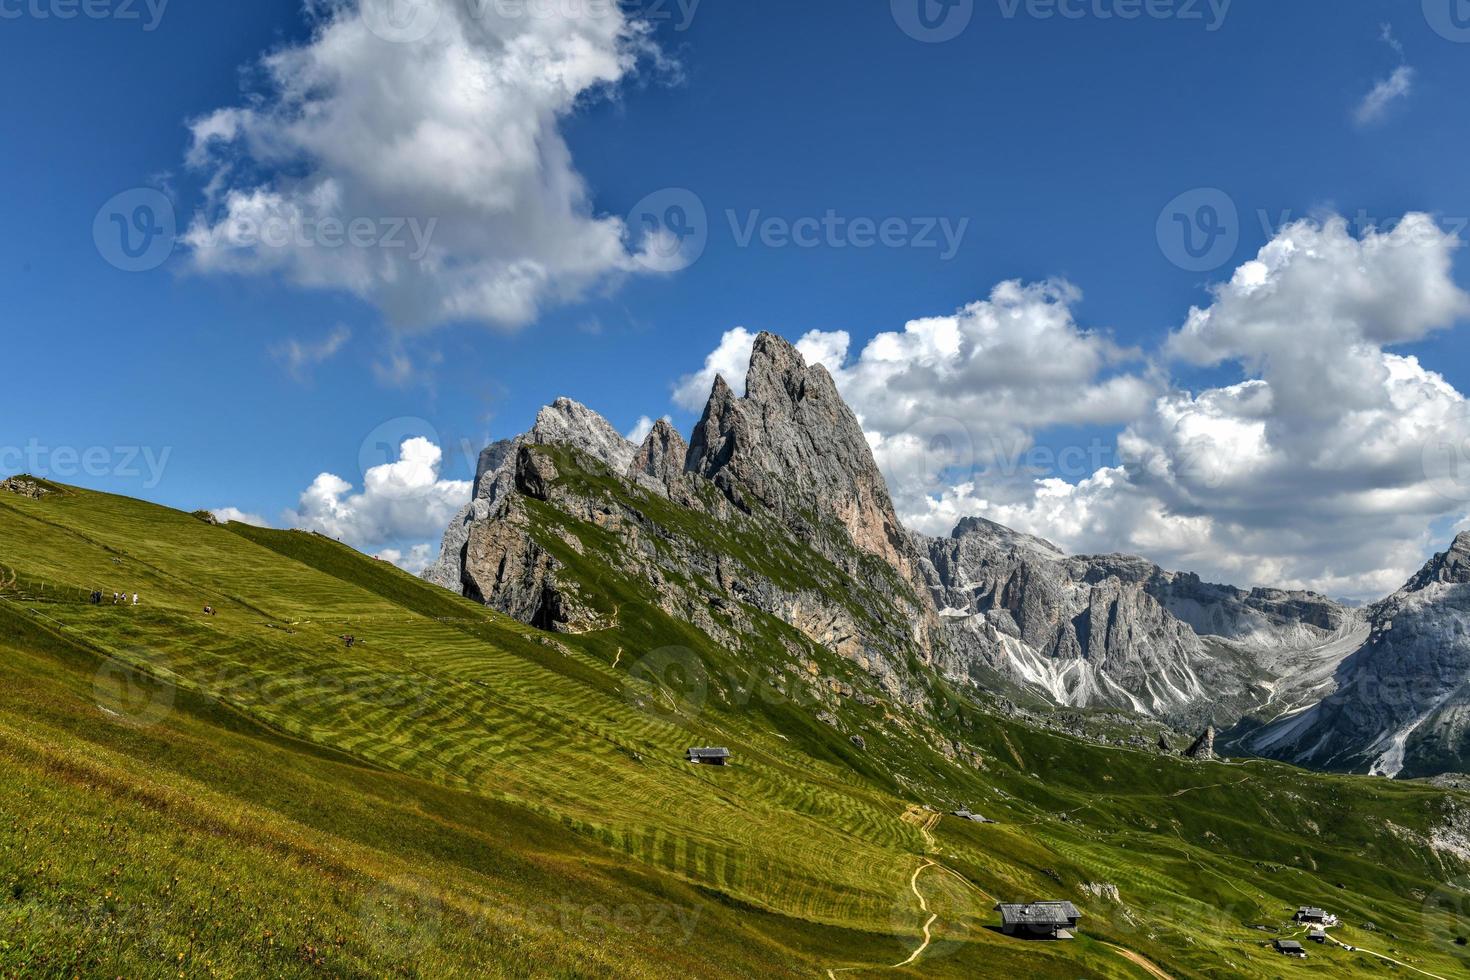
x=1002, y=536
x=1450, y=567
x=793, y=446
x=568, y=423
x=661, y=457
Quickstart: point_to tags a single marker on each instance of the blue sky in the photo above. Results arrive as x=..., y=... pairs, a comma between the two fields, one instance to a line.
x=1055, y=142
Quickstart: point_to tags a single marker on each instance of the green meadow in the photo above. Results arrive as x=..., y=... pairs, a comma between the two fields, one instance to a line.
x=245, y=794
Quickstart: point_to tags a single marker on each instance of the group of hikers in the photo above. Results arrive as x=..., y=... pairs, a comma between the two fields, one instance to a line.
x=118, y=598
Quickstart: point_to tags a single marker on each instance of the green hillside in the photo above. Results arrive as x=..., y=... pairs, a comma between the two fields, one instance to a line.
x=456, y=794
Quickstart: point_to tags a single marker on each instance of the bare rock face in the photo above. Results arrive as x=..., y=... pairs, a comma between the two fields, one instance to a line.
x=659, y=462
x=568, y=423
x=506, y=569
x=1265, y=618
x=1400, y=704
x=564, y=422
x=1203, y=748
x=793, y=446
x=1086, y=631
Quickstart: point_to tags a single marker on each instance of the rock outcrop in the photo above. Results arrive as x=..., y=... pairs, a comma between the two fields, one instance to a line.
x=1086, y=631
x=565, y=423
x=1398, y=705
x=792, y=446
x=1202, y=749
x=658, y=464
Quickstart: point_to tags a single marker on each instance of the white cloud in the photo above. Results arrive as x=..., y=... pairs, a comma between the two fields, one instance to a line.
x=961, y=391
x=299, y=357
x=1376, y=104
x=446, y=150
x=238, y=516
x=414, y=561
x=402, y=505
x=640, y=431
x=1312, y=469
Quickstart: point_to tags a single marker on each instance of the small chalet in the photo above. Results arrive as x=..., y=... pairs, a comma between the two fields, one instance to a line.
x=1317, y=935
x=708, y=757
x=1051, y=920
x=1315, y=916
x=1290, y=947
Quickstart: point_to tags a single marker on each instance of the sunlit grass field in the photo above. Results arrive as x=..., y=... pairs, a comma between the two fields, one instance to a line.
x=455, y=794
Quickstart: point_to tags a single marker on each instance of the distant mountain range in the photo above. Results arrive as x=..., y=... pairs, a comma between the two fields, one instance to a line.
x=1290, y=675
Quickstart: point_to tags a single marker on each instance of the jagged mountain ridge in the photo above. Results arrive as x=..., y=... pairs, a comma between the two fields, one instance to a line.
x=987, y=606
x=1399, y=704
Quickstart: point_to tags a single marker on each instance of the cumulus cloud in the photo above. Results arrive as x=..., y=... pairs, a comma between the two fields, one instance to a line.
x=238, y=516
x=1317, y=469
x=400, y=510
x=426, y=175
x=300, y=357
x=1326, y=464
x=962, y=391
x=413, y=561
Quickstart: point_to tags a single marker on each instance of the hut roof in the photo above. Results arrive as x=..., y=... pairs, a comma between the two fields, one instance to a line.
x=1039, y=913
x=709, y=753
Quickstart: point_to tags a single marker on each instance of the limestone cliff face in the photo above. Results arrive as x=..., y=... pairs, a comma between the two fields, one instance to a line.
x=659, y=463
x=1400, y=703
x=1086, y=631
x=791, y=445
x=564, y=422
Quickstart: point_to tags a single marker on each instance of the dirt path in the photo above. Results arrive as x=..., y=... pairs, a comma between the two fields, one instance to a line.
x=1390, y=959
x=1139, y=961
x=923, y=904
x=928, y=821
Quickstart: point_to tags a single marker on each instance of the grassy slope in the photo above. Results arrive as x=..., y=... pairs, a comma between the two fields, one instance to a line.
x=458, y=794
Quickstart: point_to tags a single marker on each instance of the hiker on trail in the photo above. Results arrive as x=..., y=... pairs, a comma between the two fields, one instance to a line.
x=96, y=597
x=135, y=598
